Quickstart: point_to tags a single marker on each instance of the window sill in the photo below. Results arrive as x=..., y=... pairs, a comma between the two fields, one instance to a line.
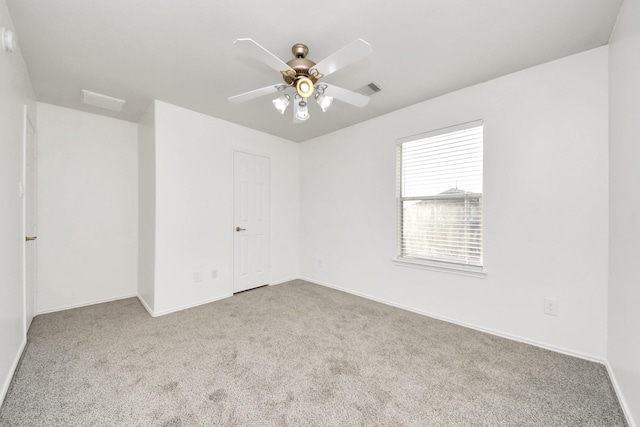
x=442, y=267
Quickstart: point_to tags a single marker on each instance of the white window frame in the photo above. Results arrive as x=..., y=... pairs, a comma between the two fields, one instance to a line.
x=429, y=264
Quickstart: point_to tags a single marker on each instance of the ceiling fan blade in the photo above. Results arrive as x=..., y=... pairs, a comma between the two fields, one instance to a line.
x=237, y=99
x=346, y=95
x=259, y=52
x=353, y=52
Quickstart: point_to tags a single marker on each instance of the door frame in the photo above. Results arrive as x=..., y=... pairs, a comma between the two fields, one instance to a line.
x=234, y=150
x=28, y=123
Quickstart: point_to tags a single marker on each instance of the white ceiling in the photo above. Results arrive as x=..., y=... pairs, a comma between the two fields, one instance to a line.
x=182, y=51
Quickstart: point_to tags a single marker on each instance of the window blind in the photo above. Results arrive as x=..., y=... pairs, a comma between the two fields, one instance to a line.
x=440, y=195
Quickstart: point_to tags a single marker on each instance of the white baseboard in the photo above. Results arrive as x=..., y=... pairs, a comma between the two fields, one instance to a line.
x=84, y=304
x=621, y=399
x=145, y=305
x=14, y=366
x=283, y=281
x=154, y=313
x=467, y=325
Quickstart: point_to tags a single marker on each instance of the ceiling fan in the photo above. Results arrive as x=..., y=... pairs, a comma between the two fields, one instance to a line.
x=303, y=75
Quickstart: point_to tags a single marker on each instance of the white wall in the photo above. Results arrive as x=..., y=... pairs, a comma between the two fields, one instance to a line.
x=146, y=208
x=545, y=207
x=193, y=185
x=87, y=208
x=15, y=93
x=624, y=204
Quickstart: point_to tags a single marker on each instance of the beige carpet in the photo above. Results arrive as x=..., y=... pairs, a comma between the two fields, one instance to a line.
x=296, y=354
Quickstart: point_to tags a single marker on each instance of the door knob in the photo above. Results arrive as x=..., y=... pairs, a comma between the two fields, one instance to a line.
x=240, y=229
x=29, y=238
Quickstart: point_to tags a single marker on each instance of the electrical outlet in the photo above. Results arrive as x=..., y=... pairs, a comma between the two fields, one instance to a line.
x=551, y=306
x=197, y=276
x=214, y=274
x=321, y=262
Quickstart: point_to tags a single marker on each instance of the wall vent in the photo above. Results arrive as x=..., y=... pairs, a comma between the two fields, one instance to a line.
x=102, y=101
x=370, y=89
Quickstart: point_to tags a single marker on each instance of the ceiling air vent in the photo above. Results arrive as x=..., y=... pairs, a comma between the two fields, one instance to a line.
x=102, y=101
x=370, y=89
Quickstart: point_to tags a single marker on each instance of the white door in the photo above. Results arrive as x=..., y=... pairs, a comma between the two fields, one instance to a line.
x=30, y=191
x=251, y=221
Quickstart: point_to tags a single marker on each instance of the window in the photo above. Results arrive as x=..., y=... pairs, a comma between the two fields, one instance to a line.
x=440, y=197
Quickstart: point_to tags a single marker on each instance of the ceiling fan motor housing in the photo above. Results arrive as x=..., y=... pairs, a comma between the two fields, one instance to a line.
x=303, y=67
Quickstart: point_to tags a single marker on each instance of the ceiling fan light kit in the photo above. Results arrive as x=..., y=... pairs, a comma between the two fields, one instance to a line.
x=304, y=86
x=323, y=100
x=302, y=74
x=302, y=111
x=281, y=103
